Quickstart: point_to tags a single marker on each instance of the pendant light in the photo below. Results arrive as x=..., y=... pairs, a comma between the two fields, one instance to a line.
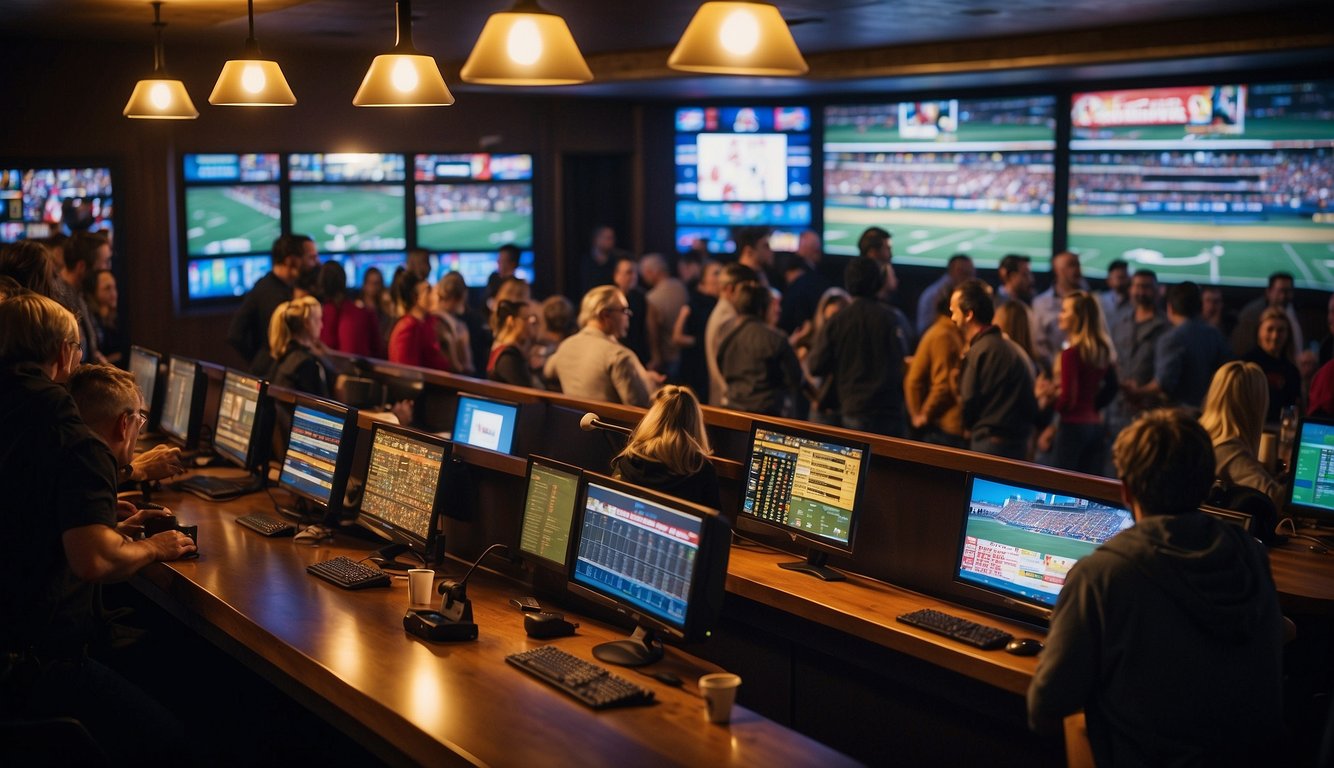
x=526, y=46
x=252, y=81
x=404, y=77
x=159, y=97
x=738, y=38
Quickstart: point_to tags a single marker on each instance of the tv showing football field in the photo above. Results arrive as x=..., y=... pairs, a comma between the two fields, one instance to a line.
x=943, y=176
x=346, y=218
x=240, y=218
x=1217, y=183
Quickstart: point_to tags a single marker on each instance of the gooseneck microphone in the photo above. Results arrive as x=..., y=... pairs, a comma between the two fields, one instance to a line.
x=590, y=422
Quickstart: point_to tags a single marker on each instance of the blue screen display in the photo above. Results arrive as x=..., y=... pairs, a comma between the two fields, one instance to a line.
x=225, y=276
x=485, y=424
x=638, y=553
x=312, y=453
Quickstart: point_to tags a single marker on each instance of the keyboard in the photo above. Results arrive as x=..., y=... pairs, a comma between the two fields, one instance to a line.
x=592, y=685
x=349, y=574
x=963, y=630
x=266, y=526
x=220, y=488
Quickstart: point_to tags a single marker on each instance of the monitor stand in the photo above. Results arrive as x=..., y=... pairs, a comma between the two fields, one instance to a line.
x=301, y=511
x=635, y=651
x=814, y=565
x=387, y=558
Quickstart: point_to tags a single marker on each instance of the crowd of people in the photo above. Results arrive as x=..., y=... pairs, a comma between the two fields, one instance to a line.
x=1068, y=376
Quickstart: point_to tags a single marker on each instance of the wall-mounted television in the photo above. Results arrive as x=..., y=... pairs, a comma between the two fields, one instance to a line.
x=476, y=268
x=349, y=202
x=232, y=215
x=942, y=176
x=40, y=201
x=1218, y=183
x=741, y=166
x=473, y=202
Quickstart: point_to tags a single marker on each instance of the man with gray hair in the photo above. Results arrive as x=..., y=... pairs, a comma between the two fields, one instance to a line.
x=665, y=298
x=593, y=364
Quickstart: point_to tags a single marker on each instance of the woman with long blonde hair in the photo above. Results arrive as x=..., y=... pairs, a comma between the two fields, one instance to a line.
x=669, y=449
x=298, y=354
x=1234, y=417
x=1080, y=370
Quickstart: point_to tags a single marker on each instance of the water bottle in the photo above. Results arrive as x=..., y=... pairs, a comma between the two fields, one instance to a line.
x=1287, y=432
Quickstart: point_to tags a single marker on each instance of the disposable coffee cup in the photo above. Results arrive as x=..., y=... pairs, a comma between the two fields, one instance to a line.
x=420, y=581
x=1268, y=450
x=719, y=692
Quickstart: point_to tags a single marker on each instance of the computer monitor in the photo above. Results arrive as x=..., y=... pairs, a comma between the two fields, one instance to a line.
x=239, y=433
x=485, y=423
x=807, y=486
x=319, y=456
x=548, y=512
x=145, y=364
x=1019, y=542
x=183, y=406
x=656, y=558
x=1312, y=490
x=404, y=492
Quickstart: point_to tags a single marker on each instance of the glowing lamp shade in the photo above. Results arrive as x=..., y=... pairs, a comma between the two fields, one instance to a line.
x=738, y=38
x=526, y=46
x=403, y=80
x=160, y=99
x=404, y=77
x=253, y=83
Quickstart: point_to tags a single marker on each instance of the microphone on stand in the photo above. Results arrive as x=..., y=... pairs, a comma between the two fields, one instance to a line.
x=590, y=422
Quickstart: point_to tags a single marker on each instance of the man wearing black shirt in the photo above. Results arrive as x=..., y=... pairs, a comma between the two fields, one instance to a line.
x=859, y=349
x=293, y=255
x=59, y=512
x=995, y=380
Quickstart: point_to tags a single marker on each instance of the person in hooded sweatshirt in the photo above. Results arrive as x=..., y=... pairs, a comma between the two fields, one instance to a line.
x=669, y=450
x=1169, y=635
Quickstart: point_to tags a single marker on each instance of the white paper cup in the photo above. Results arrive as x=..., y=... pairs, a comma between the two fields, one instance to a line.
x=1268, y=450
x=420, y=581
x=719, y=692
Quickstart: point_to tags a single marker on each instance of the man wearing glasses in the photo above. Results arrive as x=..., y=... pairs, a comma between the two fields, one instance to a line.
x=593, y=364
x=59, y=512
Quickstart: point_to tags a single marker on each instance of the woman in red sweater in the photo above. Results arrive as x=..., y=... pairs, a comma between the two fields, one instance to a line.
x=347, y=326
x=415, y=340
x=1080, y=370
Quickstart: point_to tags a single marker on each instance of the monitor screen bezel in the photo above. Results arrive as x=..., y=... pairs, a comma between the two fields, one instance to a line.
x=152, y=400
x=254, y=444
x=989, y=595
x=706, y=586
x=195, y=408
x=428, y=548
x=458, y=411
x=1297, y=509
x=754, y=523
x=531, y=557
x=342, y=464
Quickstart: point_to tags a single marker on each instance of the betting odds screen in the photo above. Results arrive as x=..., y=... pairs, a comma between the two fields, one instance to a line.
x=401, y=481
x=1313, y=476
x=548, y=511
x=312, y=453
x=1023, y=542
x=180, y=393
x=237, y=408
x=640, y=553
x=804, y=484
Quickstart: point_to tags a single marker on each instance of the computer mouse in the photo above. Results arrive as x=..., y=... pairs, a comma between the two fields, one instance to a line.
x=313, y=534
x=667, y=678
x=1024, y=646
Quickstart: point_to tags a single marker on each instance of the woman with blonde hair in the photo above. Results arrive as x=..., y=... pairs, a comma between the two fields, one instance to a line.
x=1080, y=371
x=1234, y=415
x=1274, y=354
x=669, y=450
x=294, y=341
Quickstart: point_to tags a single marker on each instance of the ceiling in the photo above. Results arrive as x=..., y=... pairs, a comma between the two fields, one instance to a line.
x=627, y=41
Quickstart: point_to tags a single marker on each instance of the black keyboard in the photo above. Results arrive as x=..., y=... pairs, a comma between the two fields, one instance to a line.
x=590, y=684
x=963, y=630
x=266, y=526
x=220, y=488
x=349, y=574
